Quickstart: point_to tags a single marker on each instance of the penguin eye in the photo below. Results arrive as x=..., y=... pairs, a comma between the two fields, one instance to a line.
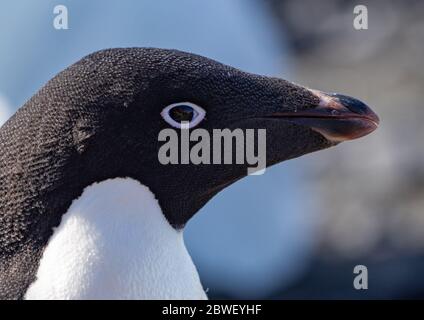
x=189, y=112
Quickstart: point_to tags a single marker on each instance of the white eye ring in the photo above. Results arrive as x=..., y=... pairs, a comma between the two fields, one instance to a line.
x=198, y=115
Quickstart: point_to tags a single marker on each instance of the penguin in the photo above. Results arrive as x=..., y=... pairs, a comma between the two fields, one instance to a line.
x=87, y=211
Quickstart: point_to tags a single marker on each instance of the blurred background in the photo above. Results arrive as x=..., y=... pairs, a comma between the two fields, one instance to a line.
x=306, y=223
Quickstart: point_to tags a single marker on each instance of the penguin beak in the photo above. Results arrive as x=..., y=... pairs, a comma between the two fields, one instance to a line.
x=337, y=117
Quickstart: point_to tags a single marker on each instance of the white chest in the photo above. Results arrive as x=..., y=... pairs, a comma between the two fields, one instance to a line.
x=115, y=243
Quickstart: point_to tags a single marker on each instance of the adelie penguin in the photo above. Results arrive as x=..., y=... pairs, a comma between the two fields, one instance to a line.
x=86, y=209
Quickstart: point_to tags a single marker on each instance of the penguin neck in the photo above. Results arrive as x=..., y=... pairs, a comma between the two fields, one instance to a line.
x=115, y=243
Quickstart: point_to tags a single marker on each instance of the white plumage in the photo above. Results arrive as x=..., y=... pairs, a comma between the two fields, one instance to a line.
x=115, y=243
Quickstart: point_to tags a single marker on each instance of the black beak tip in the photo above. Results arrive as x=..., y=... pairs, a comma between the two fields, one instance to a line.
x=356, y=106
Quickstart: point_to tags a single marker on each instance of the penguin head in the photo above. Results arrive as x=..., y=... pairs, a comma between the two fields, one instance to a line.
x=125, y=98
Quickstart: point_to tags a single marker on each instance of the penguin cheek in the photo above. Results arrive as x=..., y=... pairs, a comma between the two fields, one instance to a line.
x=286, y=140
